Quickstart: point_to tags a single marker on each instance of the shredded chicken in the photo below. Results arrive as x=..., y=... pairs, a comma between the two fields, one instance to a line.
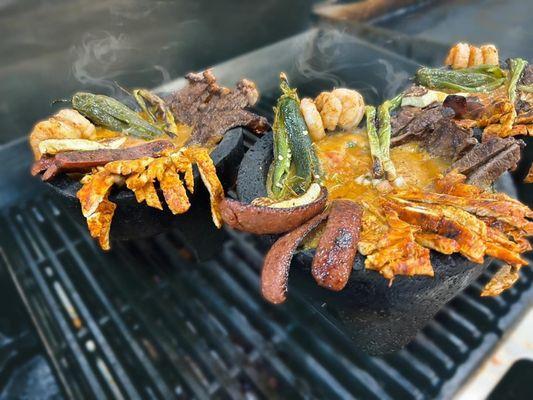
x=502, y=280
x=140, y=176
x=396, y=252
x=456, y=218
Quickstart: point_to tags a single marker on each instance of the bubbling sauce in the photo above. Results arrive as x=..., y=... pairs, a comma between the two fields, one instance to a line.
x=346, y=156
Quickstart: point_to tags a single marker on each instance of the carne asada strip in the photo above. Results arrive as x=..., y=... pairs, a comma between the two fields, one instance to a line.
x=422, y=121
x=83, y=161
x=211, y=110
x=446, y=139
x=495, y=167
x=337, y=248
x=275, y=272
x=481, y=154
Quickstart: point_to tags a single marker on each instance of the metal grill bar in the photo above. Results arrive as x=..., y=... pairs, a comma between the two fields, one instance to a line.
x=160, y=326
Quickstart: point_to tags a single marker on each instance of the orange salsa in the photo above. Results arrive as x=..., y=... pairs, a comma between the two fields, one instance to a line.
x=346, y=156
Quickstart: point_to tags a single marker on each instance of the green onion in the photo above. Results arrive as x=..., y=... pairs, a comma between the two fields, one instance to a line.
x=385, y=132
x=373, y=141
x=516, y=67
x=156, y=110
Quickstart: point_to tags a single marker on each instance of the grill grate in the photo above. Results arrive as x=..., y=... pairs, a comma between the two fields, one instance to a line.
x=143, y=322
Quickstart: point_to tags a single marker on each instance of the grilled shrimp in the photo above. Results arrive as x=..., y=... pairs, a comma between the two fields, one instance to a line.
x=490, y=54
x=312, y=118
x=353, y=107
x=458, y=56
x=475, y=57
x=330, y=108
x=464, y=55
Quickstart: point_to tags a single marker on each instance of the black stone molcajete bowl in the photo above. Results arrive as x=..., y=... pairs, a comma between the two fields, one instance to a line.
x=134, y=220
x=380, y=319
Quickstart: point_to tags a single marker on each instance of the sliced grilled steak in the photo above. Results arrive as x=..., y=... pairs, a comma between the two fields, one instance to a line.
x=422, y=122
x=403, y=117
x=486, y=161
x=485, y=175
x=482, y=153
x=447, y=140
x=211, y=109
x=434, y=128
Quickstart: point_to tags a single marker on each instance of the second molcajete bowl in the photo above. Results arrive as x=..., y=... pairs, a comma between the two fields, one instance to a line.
x=379, y=318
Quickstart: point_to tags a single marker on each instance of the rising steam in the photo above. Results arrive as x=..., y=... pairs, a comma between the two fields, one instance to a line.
x=99, y=60
x=313, y=53
x=328, y=57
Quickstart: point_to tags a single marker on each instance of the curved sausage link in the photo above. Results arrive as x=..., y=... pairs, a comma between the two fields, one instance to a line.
x=263, y=220
x=337, y=248
x=275, y=273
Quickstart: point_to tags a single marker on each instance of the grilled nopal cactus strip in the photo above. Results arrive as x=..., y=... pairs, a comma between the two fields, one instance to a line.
x=112, y=114
x=295, y=165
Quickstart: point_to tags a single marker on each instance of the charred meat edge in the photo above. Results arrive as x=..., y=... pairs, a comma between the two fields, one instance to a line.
x=211, y=110
x=275, y=272
x=83, y=161
x=447, y=140
x=337, y=247
x=413, y=128
x=506, y=160
x=262, y=220
x=482, y=153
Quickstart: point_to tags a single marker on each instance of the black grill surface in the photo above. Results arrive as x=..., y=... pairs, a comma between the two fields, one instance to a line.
x=146, y=321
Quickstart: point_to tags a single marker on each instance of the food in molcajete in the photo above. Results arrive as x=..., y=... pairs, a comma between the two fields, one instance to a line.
x=416, y=176
x=150, y=151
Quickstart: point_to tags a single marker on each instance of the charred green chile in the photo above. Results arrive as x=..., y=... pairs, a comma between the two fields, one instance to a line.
x=112, y=114
x=482, y=78
x=156, y=110
x=295, y=165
